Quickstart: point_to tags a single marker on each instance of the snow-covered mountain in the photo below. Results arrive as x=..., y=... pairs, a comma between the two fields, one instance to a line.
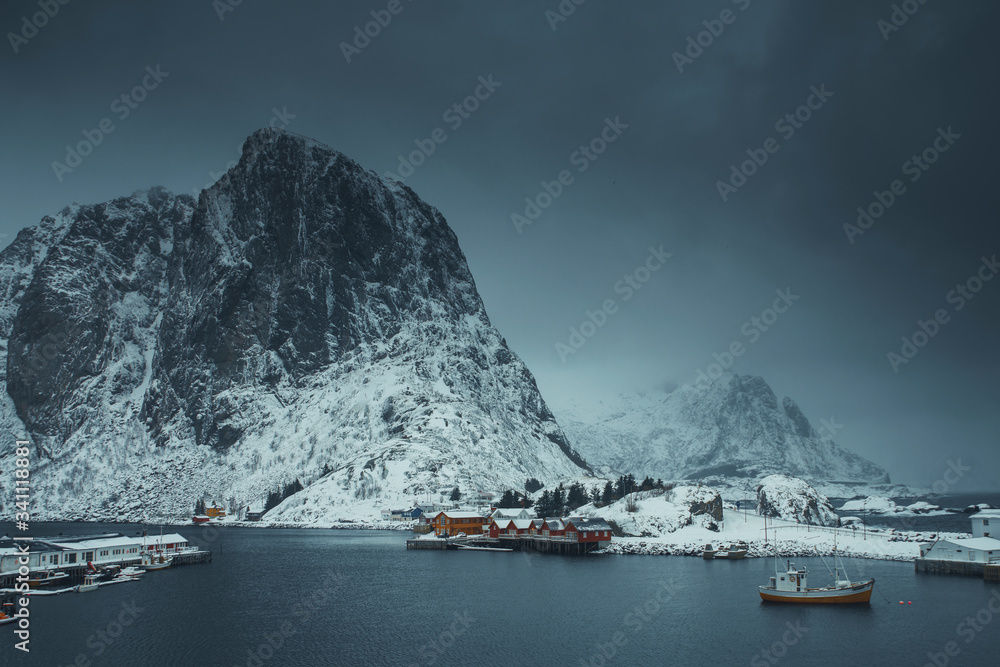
x=734, y=426
x=304, y=318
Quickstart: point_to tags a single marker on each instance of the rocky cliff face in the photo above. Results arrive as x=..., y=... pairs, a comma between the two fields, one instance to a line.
x=303, y=319
x=732, y=427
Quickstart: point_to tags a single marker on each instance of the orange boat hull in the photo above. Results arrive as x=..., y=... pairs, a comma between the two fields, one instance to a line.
x=848, y=597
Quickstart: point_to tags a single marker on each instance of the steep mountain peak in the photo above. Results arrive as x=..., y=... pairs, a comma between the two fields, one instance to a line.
x=732, y=425
x=304, y=317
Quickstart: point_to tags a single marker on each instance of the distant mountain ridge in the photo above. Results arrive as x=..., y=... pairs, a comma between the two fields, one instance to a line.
x=733, y=426
x=304, y=318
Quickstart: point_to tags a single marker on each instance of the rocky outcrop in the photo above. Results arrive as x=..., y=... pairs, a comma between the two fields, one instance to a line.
x=793, y=499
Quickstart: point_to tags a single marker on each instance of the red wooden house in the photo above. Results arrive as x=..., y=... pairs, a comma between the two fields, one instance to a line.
x=584, y=529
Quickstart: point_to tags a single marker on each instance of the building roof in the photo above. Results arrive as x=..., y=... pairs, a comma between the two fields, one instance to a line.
x=987, y=514
x=171, y=538
x=588, y=523
x=503, y=523
x=554, y=523
x=97, y=543
x=522, y=524
x=461, y=515
x=979, y=543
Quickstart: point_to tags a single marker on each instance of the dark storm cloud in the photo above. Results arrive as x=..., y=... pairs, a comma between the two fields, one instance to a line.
x=655, y=184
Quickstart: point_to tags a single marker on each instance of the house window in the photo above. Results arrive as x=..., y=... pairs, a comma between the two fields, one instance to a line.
x=71, y=558
x=986, y=522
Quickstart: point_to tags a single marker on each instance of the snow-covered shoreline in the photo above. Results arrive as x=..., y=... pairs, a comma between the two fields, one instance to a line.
x=791, y=540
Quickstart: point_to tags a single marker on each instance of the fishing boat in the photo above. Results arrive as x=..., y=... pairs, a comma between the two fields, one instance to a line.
x=47, y=578
x=89, y=584
x=155, y=560
x=792, y=586
x=131, y=571
x=708, y=552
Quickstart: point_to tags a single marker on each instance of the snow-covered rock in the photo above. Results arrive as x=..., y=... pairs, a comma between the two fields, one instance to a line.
x=659, y=512
x=872, y=505
x=794, y=500
x=972, y=509
x=733, y=426
x=303, y=319
x=921, y=507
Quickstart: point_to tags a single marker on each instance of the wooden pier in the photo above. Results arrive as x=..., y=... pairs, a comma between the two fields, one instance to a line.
x=430, y=544
x=549, y=546
x=989, y=572
x=189, y=557
x=77, y=572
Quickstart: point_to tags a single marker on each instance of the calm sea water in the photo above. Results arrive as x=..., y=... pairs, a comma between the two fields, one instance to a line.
x=323, y=597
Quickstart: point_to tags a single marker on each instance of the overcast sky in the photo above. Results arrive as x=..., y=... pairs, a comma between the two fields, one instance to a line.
x=879, y=94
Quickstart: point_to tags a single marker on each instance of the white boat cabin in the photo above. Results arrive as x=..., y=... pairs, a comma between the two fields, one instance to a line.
x=794, y=579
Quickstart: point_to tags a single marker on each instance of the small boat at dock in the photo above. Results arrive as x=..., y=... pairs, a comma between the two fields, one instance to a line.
x=708, y=552
x=47, y=578
x=733, y=551
x=89, y=584
x=7, y=613
x=155, y=560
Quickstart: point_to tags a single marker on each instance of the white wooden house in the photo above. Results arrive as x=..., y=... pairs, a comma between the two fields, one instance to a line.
x=971, y=550
x=986, y=523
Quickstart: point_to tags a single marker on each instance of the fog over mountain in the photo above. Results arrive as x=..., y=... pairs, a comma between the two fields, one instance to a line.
x=838, y=151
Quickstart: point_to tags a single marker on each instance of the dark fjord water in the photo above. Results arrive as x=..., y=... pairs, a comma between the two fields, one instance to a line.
x=329, y=597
